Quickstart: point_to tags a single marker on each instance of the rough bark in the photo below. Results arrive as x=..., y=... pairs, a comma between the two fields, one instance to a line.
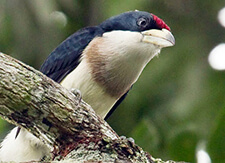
x=60, y=118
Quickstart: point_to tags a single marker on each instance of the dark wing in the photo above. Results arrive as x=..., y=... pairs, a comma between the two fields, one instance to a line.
x=66, y=56
x=116, y=104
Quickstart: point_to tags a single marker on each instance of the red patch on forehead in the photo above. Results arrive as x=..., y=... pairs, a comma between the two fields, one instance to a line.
x=160, y=23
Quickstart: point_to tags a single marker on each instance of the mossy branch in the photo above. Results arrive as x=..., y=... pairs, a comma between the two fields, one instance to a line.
x=68, y=125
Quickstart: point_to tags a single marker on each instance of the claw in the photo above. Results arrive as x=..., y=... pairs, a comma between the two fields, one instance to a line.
x=77, y=93
x=125, y=138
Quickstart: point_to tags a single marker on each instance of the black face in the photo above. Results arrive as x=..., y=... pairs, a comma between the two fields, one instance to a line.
x=132, y=21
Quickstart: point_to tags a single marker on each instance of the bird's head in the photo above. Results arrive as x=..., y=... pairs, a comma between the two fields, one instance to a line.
x=153, y=29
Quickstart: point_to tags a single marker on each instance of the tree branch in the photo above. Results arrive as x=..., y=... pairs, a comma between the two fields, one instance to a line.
x=68, y=125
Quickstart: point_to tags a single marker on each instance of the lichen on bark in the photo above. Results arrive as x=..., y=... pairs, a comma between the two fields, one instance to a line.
x=68, y=125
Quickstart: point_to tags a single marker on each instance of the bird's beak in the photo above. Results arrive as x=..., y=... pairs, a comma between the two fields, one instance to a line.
x=162, y=38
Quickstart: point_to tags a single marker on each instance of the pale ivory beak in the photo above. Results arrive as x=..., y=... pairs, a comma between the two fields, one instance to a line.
x=162, y=38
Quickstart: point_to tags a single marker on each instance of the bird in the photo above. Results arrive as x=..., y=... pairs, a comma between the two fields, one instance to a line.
x=103, y=62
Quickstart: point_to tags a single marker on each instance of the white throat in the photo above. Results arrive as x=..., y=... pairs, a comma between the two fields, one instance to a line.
x=125, y=58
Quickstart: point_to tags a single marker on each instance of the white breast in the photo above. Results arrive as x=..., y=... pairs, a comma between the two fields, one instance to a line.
x=92, y=92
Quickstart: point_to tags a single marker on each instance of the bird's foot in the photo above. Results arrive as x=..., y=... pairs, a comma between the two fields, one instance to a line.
x=77, y=93
x=129, y=139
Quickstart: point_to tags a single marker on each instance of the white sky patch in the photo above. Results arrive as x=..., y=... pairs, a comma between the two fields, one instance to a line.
x=217, y=57
x=221, y=17
x=203, y=157
x=59, y=17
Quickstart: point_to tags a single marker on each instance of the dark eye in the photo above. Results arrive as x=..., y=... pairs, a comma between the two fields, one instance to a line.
x=142, y=22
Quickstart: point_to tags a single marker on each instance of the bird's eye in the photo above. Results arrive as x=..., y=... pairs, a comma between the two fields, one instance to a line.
x=142, y=22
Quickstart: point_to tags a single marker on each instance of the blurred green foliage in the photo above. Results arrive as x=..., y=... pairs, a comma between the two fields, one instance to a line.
x=178, y=102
